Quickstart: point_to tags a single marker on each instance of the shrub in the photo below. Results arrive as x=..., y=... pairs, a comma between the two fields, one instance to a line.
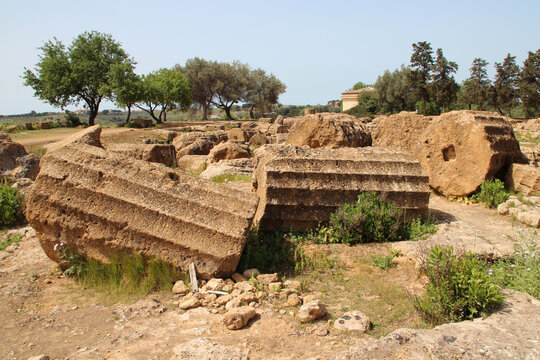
x=11, y=209
x=72, y=119
x=460, y=287
x=418, y=229
x=370, y=219
x=521, y=271
x=492, y=193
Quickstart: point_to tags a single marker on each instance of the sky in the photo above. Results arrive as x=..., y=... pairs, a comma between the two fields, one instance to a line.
x=318, y=49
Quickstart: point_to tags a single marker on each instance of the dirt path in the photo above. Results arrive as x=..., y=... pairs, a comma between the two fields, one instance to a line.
x=36, y=138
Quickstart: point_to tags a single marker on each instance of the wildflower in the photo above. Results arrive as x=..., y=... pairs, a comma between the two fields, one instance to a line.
x=512, y=265
x=528, y=269
x=490, y=271
x=56, y=246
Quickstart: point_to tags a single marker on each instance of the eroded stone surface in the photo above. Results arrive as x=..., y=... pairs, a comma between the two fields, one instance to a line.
x=300, y=187
x=15, y=162
x=100, y=203
x=158, y=153
x=524, y=178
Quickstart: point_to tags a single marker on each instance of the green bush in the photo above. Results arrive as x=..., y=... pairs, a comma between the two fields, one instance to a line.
x=492, y=193
x=521, y=271
x=11, y=210
x=460, y=287
x=370, y=219
x=72, y=119
x=418, y=229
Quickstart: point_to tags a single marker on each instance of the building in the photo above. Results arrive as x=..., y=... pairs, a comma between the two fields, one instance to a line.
x=350, y=98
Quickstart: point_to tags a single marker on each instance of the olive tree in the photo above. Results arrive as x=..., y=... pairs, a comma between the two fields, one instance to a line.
x=79, y=73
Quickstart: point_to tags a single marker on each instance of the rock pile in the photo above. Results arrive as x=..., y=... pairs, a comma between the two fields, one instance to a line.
x=99, y=203
x=300, y=187
x=526, y=210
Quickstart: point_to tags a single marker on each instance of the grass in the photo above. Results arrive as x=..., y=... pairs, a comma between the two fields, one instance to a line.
x=11, y=239
x=231, y=178
x=11, y=206
x=125, y=276
x=528, y=138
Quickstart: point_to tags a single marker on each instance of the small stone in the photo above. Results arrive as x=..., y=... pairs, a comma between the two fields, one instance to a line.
x=237, y=318
x=190, y=303
x=266, y=279
x=39, y=357
x=310, y=311
x=251, y=272
x=292, y=284
x=274, y=287
x=244, y=286
x=321, y=331
x=222, y=300
x=283, y=312
x=238, y=277
x=228, y=288
x=353, y=321
x=214, y=284
x=180, y=288
x=234, y=303
x=503, y=208
x=293, y=300
x=311, y=297
x=248, y=297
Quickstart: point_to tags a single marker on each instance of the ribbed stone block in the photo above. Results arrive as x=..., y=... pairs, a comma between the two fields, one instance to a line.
x=101, y=203
x=300, y=187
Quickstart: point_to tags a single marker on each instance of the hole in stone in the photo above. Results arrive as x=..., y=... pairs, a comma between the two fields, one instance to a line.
x=449, y=153
x=172, y=176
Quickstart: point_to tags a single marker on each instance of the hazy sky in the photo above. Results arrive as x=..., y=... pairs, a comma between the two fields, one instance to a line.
x=317, y=48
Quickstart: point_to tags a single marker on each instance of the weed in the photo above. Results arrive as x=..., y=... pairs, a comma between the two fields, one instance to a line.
x=11, y=239
x=492, y=193
x=383, y=262
x=231, y=177
x=11, y=206
x=460, y=287
x=419, y=229
x=520, y=271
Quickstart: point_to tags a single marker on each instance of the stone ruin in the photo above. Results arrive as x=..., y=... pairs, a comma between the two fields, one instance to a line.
x=15, y=162
x=458, y=150
x=299, y=188
x=101, y=203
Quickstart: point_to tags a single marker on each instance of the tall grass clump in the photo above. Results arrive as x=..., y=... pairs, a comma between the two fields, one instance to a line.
x=125, y=274
x=460, y=287
x=11, y=206
x=492, y=193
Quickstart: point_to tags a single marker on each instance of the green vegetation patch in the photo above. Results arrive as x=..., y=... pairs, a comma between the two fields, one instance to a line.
x=11, y=206
x=460, y=287
x=126, y=275
x=231, y=178
x=11, y=239
x=492, y=193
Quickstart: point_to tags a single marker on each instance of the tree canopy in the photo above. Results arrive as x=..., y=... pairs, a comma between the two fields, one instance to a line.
x=445, y=87
x=202, y=76
x=529, y=84
x=165, y=88
x=422, y=65
x=79, y=73
x=505, y=85
x=476, y=89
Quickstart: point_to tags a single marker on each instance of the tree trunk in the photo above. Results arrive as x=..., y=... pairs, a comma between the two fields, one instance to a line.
x=129, y=114
x=251, y=112
x=500, y=111
x=228, y=112
x=424, y=101
x=510, y=112
x=470, y=106
x=92, y=117
x=164, y=115
x=205, y=111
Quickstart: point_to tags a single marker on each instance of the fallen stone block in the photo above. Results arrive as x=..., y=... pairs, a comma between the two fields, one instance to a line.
x=158, y=153
x=242, y=167
x=192, y=163
x=524, y=178
x=353, y=321
x=400, y=131
x=462, y=149
x=100, y=203
x=300, y=187
x=328, y=130
x=238, y=317
x=228, y=151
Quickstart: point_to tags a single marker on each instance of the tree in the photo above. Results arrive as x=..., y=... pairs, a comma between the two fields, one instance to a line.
x=80, y=73
x=422, y=64
x=394, y=90
x=529, y=84
x=263, y=92
x=505, y=85
x=165, y=88
x=445, y=87
x=359, y=85
x=126, y=86
x=202, y=76
x=232, y=85
x=368, y=105
x=476, y=89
